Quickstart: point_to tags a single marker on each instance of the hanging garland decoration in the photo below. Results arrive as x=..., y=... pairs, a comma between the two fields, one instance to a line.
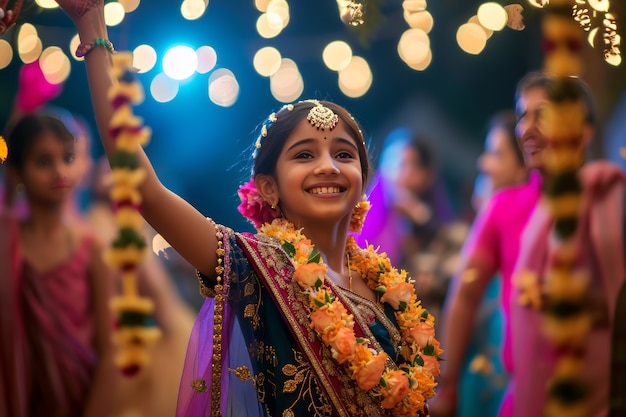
x=136, y=330
x=595, y=18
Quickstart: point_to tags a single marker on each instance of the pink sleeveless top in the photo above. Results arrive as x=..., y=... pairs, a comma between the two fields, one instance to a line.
x=50, y=365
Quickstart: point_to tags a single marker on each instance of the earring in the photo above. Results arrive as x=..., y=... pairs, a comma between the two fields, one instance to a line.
x=358, y=214
x=273, y=206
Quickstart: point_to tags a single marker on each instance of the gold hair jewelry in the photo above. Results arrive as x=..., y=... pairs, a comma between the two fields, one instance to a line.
x=272, y=119
x=322, y=117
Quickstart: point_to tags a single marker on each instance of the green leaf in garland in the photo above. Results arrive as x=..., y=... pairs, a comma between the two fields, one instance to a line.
x=418, y=361
x=360, y=340
x=382, y=382
x=429, y=350
x=121, y=159
x=128, y=236
x=402, y=305
x=314, y=257
x=289, y=248
x=425, y=314
x=405, y=369
x=319, y=304
x=381, y=289
x=318, y=284
x=565, y=227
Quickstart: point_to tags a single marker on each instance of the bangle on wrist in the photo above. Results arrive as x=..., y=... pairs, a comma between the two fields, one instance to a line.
x=85, y=48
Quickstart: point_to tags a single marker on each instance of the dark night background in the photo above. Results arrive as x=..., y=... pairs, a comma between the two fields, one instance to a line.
x=200, y=150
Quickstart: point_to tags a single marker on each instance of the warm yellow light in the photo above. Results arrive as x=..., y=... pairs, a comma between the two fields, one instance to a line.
x=592, y=35
x=600, y=5
x=6, y=53
x=265, y=29
x=420, y=20
x=129, y=5
x=30, y=49
x=413, y=45
x=74, y=42
x=267, y=61
x=144, y=58
x=471, y=38
x=113, y=13
x=356, y=78
x=613, y=59
x=55, y=65
x=492, y=16
x=422, y=65
x=47, y=4
x=278, y=11
x=286, y=85
x=261, y=5
x=192, y=9
x=337, y=55
x=474, y=19
x=26, y=30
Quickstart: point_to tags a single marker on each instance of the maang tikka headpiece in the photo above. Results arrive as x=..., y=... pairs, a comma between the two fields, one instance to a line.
x=320, y=116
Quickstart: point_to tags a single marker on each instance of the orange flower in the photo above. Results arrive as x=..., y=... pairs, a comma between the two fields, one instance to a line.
x=326, y=316
x=397, y=387
x=343, y=345
x=431, y=365
x=421, y=334
x=399, y=294
x=308, y=275
x=369, y=375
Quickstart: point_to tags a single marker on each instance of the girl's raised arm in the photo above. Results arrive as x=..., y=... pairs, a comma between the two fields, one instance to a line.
x=185, y=228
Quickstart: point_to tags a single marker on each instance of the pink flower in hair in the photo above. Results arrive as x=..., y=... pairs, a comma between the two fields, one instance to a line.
x=253, y=207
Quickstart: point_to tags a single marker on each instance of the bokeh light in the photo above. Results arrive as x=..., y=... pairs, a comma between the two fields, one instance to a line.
x=356, y=78
x=267, y=29
x=474, y=19
x=413, y=45
x=207, y=59
x=421, y=20
x=29, y=44
x=180, y=62
x=144, y=58
x=47, y=4
x=337, y=55
x=55, y=65
x=287, y=84
x=129, y=5
x=223, y=87
x=192, y=9
x=267, y=61
x=113, y=13
x=6, y=53
x=163, y=88
x=492, y=16
x=471, y=38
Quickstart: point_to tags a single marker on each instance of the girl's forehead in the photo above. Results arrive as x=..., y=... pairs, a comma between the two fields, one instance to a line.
x=305, y=130
x=49, y=142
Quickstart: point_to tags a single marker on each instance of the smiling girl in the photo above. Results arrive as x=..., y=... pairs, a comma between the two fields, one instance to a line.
x=298, y=319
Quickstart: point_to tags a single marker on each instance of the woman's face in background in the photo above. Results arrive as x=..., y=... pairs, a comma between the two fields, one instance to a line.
x=500, y=162
x=412, y=175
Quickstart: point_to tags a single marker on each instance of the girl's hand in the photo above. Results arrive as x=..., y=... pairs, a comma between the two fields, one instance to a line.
x=76, y=9
x=8, y=17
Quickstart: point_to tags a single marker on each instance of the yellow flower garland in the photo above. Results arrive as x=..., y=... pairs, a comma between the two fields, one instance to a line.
x=404, y=390
x=136, y=330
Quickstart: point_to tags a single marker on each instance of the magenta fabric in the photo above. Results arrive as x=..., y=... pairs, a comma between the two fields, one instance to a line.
x=495, y=240
x=47, y=336
x=600, y=244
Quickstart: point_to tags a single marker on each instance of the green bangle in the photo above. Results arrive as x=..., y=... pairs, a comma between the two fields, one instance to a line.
x=84, y=48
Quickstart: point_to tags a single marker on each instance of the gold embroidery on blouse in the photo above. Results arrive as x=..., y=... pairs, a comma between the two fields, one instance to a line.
x=302, y=382
x=248, y=290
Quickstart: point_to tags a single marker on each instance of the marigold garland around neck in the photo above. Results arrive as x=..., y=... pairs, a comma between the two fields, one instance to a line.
x=136, y=330
x=405, y=390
